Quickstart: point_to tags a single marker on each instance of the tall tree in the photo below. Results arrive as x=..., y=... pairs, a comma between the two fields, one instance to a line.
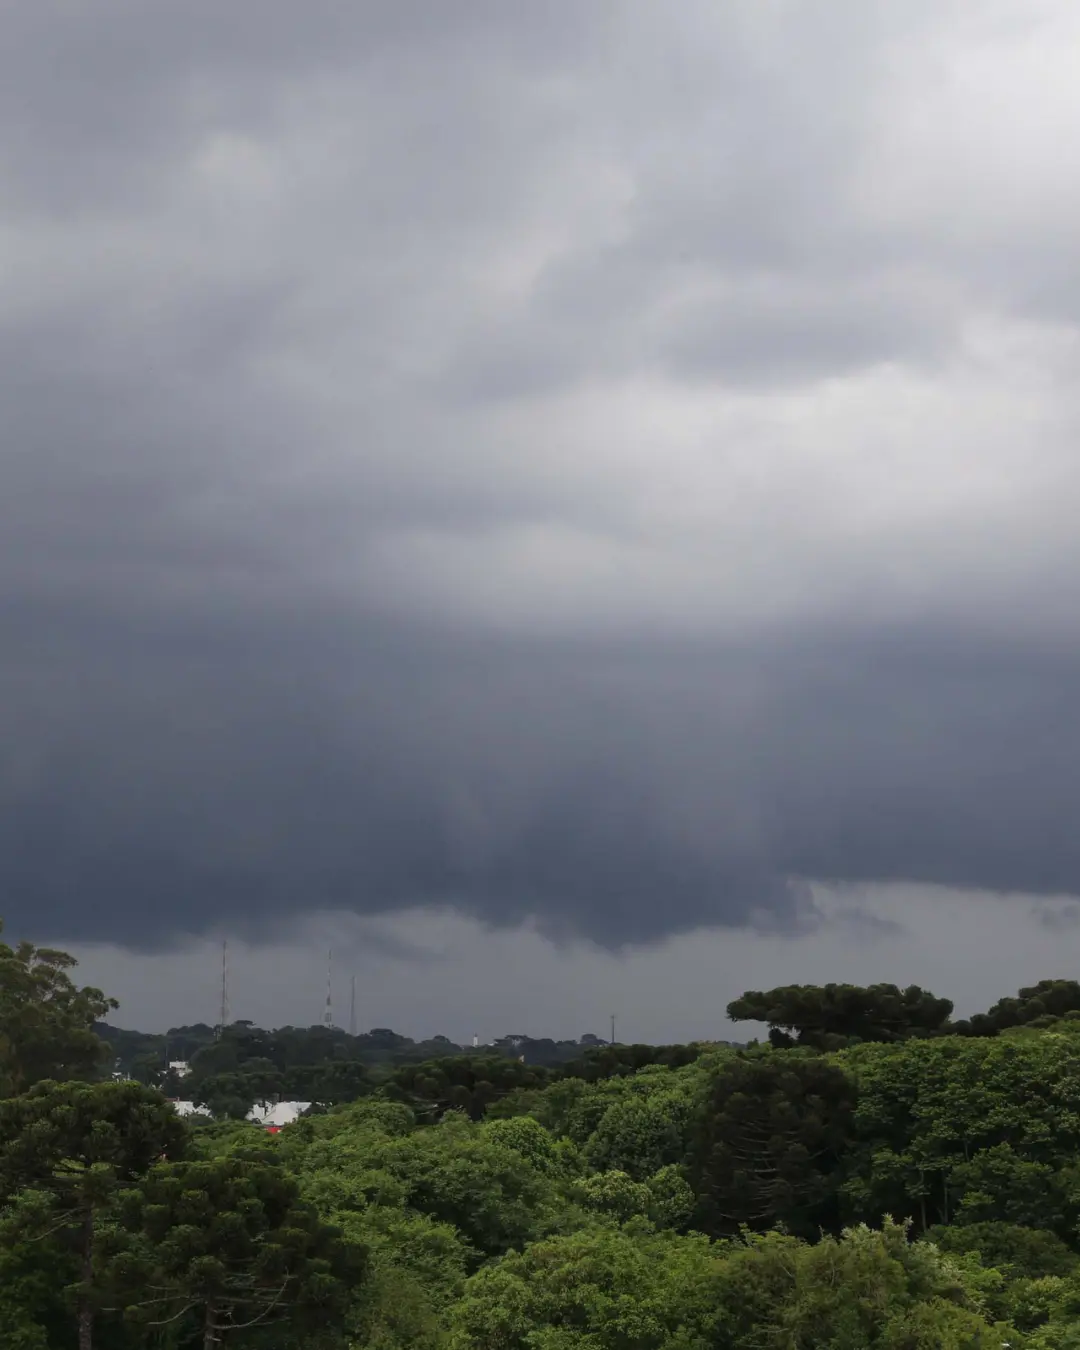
x=770, y=1143
x=46, y=1020
x=225, y=1245
x=77, y=1144
x=830, y=1016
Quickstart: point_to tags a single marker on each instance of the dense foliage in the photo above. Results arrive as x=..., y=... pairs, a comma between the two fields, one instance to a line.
x=229, y=1069
x=833, y=1015
x=244, y=1063
x=877, y=1178
x=46, y=1022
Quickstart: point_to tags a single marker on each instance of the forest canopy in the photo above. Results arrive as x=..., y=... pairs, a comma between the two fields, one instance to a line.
x=876, y=1176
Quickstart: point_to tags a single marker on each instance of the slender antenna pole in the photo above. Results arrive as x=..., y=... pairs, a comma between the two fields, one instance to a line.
x=224, y=1020
x=352, y=1006
x=328, y=1016
x=612, y=1028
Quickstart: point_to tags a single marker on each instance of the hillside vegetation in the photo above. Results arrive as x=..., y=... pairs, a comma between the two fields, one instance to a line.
x=875, y=1177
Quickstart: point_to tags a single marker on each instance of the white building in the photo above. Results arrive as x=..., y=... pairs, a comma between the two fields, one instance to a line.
x=277, y=1114
x=189, y=1109
x=270, y=1115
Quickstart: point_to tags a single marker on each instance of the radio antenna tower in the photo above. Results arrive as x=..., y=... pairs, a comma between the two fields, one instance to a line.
x=224, y=1019
x=352, y=1006
x=328, y=1016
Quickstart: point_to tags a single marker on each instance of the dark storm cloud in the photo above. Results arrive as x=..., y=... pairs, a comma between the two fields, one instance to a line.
x=189, y=778
x=192, y=779
x=507, y=458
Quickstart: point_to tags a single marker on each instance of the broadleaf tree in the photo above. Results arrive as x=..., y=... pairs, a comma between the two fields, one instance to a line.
x=46, y=1020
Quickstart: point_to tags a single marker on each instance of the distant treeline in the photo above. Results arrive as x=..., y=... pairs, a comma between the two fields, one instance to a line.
x=230, y=1070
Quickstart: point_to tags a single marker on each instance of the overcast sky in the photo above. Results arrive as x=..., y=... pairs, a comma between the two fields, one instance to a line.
x=574, y=503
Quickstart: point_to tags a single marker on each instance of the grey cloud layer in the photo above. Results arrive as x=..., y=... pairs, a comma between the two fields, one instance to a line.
x=591, y=464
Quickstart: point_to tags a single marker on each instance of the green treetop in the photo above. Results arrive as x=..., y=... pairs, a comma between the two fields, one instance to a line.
x=830, y=1016
x=46, y=1020
x=225, y=1248
x=72, y=1146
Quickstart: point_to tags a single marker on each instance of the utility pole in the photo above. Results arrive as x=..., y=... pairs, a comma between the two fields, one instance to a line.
x=328, y=1016
x=352, y=1006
